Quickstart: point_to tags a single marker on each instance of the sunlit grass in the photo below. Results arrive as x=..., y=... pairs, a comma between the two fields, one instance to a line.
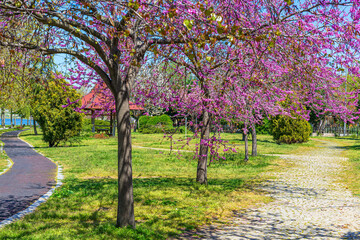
x=3, y=157
x=168, y=201
x=349, y=147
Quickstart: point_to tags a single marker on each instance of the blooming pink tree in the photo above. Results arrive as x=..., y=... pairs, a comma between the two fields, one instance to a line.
x=243, y=56
x=273, y=51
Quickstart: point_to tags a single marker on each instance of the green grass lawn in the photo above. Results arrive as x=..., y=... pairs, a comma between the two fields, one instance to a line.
x=3, y=161
x=168, y=201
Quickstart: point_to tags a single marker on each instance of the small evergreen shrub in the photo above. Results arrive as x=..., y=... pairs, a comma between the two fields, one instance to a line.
x=290, y=130
x=156, y=124
x=58, y=120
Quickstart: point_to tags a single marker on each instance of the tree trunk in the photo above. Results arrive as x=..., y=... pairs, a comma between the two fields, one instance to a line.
x=246, y=147
x=3, y=117
x=254, y=141
x=35, y=130
x=125, y=212
x=135, y=125
x=21, y=122
x=201, y=176
x=111, y=124
x=11, y=118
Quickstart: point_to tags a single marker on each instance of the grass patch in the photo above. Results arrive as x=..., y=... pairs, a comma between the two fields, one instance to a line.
x=3, y=157
x=168, y=201
x=350, y=147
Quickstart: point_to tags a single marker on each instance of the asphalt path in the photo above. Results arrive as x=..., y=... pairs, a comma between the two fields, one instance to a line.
x=31, y=176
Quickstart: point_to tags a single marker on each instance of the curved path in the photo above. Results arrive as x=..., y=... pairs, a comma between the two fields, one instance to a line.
x=31, y=176
x=309, y=203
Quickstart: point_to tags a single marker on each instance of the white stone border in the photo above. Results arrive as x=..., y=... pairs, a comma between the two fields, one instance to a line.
x=10, y=162
x=42, y=199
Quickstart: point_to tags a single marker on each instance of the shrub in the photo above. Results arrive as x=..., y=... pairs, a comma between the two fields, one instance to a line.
x=58, y=121
x=290, y=130
x=264, y=128
x=156, y=124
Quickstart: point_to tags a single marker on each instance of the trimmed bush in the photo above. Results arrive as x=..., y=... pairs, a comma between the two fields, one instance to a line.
x=156, y=124
x=290, y=130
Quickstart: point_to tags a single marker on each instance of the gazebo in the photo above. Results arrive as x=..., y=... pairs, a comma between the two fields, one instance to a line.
x=92, y=102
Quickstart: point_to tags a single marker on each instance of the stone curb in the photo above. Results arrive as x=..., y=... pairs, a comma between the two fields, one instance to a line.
x=42, y=199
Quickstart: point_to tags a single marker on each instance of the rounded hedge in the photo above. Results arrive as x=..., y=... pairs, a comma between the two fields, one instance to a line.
x=289, y=130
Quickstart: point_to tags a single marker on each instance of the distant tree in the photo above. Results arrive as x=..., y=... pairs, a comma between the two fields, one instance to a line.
x=58, y=121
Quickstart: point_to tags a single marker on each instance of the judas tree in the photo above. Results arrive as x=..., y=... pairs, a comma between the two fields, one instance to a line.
x=273, y=50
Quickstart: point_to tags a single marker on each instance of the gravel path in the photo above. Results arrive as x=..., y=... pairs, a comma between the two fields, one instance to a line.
x=309, y=203
x=31, y=176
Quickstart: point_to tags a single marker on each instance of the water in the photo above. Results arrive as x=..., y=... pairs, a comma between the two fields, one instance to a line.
x=8, y=122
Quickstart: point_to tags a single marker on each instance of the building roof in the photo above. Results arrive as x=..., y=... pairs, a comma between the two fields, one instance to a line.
x=93, y=101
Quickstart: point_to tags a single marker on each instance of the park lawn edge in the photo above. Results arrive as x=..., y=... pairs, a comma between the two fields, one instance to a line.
x=5, y=162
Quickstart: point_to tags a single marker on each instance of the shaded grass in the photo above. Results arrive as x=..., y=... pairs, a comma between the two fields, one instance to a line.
x=167, y=199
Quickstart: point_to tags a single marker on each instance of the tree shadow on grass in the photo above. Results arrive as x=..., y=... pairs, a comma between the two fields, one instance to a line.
x=354, y=147
x=87, y=208
x=347, y=138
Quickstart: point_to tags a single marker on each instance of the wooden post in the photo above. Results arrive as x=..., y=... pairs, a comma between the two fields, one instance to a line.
x=11, y=119
x=111, y=124
x=92, y=121
x=114, y=126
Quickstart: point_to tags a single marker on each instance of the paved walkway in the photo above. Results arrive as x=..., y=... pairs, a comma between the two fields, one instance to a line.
x=31, y=176
x=309, y=203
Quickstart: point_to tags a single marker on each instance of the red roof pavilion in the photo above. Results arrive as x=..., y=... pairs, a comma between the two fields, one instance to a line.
x=92, y=101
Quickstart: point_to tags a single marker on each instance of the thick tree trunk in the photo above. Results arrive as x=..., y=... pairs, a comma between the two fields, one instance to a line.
x=21, y=122
x=35, y=130
x=201, y=176
x=246, y=147
x=125, y=212
x=254, y=141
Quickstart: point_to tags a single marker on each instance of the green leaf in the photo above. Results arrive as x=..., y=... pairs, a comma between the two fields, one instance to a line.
x=209, y=11
x=188, y=24
x=289, y=2
x=220, y=29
